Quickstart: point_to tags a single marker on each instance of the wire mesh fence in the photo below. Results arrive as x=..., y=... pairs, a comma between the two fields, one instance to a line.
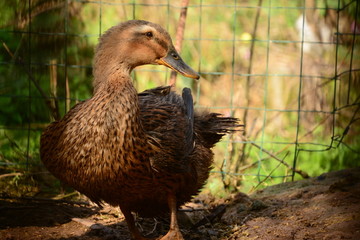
x=288, y=69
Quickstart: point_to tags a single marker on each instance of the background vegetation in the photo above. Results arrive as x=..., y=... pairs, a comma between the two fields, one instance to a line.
x=293, y=81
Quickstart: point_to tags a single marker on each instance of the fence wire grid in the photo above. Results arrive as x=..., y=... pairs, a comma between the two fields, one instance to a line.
x=288, y=69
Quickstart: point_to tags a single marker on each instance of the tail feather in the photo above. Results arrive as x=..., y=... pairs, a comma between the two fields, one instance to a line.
x=211, y=127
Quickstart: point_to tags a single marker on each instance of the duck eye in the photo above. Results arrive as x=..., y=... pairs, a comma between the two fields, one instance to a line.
x=175, y=56
x=149, y=34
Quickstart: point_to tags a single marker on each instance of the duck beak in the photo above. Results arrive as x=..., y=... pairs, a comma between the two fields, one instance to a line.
x=174, y=61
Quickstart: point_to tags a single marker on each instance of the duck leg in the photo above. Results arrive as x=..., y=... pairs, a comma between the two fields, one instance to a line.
x=174, y=232
x=136, y=235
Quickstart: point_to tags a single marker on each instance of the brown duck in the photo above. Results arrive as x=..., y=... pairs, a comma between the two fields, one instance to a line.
x=148, y=153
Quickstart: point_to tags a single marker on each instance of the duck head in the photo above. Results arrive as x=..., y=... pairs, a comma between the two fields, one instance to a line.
x=134, y=43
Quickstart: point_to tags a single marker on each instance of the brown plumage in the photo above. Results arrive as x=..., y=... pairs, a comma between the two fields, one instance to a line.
x=148, y=153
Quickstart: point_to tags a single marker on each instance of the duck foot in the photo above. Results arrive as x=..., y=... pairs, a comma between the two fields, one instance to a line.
x=143, y=238
x=174, y=232
x=173, y=235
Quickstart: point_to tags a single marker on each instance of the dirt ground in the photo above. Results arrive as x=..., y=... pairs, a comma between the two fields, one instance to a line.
x=325, y=207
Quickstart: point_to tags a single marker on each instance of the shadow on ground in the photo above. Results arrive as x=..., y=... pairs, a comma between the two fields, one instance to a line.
x=324, y=207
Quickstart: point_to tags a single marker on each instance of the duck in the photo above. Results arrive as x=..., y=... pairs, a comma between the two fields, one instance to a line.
x=147, y=153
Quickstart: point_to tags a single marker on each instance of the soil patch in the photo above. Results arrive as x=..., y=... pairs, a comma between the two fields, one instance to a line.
x=325, y=207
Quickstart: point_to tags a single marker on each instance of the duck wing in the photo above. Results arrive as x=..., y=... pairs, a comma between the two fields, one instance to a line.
x=189, y=131
x=168, y=117
x=158, y=91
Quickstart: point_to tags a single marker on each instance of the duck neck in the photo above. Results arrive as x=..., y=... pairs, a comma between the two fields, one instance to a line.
x=114, y=87
x=111, y=74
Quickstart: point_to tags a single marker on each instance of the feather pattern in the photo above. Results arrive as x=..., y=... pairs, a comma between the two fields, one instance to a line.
x=147, y=153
